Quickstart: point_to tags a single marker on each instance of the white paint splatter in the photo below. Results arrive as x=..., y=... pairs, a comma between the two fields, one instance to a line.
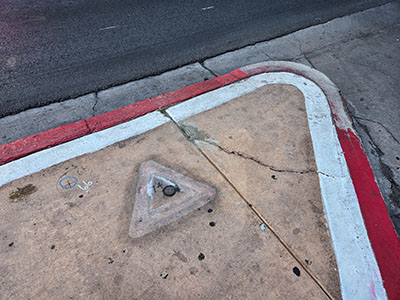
x=289, y=154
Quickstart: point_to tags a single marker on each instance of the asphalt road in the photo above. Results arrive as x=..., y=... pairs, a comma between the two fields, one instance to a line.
x=54, y=50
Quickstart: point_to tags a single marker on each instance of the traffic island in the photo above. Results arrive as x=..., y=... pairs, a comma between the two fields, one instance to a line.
x=242, y=191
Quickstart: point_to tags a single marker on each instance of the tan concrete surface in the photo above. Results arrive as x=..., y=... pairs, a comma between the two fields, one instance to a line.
x=261, y=142
x=74, y=244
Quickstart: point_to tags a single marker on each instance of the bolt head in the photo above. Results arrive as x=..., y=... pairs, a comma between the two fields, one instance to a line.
x=169, y=190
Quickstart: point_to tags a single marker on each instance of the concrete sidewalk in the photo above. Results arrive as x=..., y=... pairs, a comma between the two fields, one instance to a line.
x=285, y=221
x=355, y=51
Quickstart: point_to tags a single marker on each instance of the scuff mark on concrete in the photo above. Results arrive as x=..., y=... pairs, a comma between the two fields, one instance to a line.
x=324, y=174
x=193, y=133
x=180, y=256
x=22, y=193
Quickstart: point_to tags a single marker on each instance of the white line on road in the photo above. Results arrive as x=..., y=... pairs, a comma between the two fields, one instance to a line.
x=207, y=8
x=107, y=28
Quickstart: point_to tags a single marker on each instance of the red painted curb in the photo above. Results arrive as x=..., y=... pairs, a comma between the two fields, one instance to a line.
x=143, y=107
x=381, y=233
x=380, y=230
x=62, y=134
x=42, y=140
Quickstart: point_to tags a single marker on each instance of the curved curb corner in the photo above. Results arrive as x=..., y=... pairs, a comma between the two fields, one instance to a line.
x=381, y=233
x=382, y=236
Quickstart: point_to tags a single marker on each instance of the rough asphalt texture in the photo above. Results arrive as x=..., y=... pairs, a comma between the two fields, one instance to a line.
x=370, y=83
x=53, y=50
x=360, y=53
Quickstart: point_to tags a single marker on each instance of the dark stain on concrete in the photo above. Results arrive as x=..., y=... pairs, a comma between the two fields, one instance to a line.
x=22, y=193
x=180, y=256
x=121, y=144
x=256, y=267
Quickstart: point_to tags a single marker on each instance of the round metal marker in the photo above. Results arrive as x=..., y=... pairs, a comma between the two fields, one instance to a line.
x=169, y=190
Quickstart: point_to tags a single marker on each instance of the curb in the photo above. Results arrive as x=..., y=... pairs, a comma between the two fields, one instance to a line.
x=69, y=132
x=382, y=236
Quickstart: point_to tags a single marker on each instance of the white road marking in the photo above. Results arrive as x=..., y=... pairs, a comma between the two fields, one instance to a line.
x=207, y=8
x=107, y=28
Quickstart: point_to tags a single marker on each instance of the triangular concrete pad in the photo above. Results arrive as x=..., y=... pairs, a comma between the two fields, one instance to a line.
x=163, y=196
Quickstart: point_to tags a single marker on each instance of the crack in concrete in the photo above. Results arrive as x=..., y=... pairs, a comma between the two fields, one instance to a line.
x=249, y=205
x=272, y=168
x=295, y=37
x=88, y=127
x=265, y=52
x=167, y=115
x=382, y=171
x=309, y=61
x=379, y=123
x=325, y=174
x=249, y=157
x=267, y=55
x=209, y=70
x=195, y=135
x=95, y=103
x=391, y=198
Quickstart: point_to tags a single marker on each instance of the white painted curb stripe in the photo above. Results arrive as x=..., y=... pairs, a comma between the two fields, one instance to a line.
x=210, y=100
x=358, y=270
x=90, y=143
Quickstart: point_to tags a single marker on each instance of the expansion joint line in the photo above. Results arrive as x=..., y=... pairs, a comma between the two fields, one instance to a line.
x=253, y=209
x=208, y=69
x=96, y=96
x=269, y=226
